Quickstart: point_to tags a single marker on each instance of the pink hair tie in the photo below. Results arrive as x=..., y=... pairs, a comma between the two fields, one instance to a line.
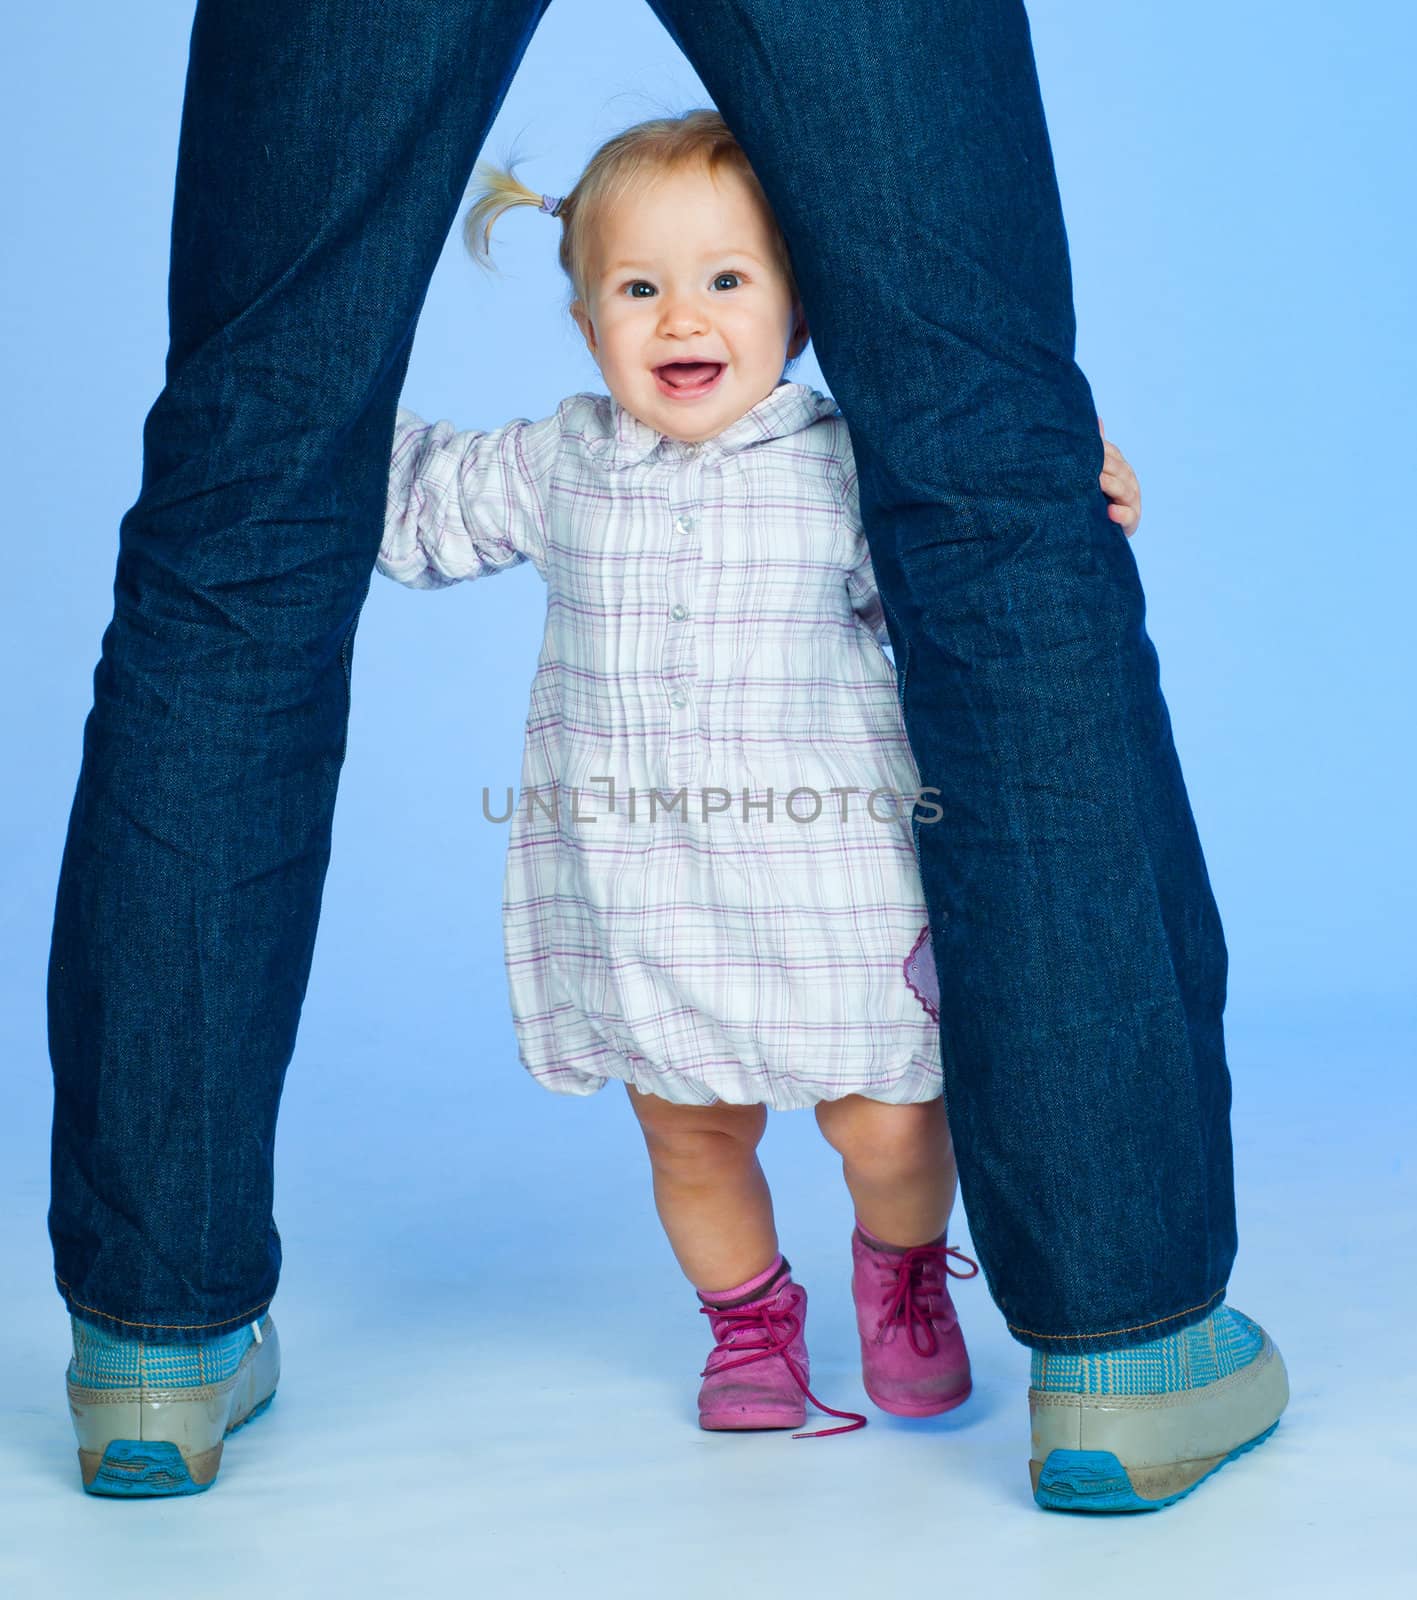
x=550, y=205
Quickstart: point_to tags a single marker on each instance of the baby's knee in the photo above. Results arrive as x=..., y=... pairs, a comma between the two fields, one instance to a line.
x=872, y=1137
x=686, y=1141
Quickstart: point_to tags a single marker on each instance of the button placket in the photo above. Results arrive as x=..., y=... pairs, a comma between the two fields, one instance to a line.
x=682, y=574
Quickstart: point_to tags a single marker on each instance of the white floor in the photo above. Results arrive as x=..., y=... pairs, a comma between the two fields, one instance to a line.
x=484, y=1394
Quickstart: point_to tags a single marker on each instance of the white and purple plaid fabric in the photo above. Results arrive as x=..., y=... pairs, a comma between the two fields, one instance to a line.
x=712, y=626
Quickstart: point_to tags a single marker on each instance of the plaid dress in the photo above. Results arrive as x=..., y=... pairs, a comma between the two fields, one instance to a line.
x=711, y=890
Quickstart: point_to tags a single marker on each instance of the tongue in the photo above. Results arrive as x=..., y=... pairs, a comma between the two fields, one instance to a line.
x=685, y=374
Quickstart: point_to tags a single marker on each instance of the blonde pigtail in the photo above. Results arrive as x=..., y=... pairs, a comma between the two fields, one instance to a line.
x=495, y=190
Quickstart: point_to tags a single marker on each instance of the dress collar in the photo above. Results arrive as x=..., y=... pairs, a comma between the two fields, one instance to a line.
x=787, y=409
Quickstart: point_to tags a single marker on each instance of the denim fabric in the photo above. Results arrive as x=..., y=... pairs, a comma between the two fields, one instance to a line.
x=324, y=149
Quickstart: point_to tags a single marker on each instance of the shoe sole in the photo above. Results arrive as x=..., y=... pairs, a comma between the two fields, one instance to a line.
x=903, y=1408
x=1094, y=1480
x=751, y=1421
x=182, y=1462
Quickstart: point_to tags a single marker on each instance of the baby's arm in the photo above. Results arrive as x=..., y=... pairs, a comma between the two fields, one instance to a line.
x=865, y=597
x=464, y=505
x=861, y=588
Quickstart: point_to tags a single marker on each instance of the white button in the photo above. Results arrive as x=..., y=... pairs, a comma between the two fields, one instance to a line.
x=691, y=449
x=679, y=613
x=679, y=700
x=685, y=523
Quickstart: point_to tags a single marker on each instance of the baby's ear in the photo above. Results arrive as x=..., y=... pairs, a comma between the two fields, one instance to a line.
x=801, y=334
x=583, y=322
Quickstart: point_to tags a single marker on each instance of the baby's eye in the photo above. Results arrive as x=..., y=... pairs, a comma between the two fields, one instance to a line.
x=641, y=283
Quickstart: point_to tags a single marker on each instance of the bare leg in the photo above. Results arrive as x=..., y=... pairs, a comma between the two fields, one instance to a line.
x=709, y=1188
x=898, y=1162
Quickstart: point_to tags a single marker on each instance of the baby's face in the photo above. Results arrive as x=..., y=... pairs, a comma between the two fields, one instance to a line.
x=681, y=272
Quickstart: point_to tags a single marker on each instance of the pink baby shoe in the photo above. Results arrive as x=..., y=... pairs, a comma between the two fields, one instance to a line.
x=756, y=1376
x=913, y=1360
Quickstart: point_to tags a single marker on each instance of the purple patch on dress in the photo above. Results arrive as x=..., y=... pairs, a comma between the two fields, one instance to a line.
x=920, y=973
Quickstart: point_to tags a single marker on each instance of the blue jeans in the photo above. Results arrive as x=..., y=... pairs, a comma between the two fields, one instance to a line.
x=325, y=146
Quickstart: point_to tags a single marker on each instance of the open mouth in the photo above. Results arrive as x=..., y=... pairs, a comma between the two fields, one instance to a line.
x=688, y=380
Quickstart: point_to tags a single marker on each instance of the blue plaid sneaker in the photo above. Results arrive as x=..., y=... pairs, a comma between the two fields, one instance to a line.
x=1136, y=1429
x=152, y=1418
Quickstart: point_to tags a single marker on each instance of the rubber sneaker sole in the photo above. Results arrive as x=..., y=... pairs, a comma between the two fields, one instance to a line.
x=1094, y=1480
x=169, y=1441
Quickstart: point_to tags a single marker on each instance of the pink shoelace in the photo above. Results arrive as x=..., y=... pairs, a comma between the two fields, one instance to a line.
x=771, y=1332
x=918, y=1279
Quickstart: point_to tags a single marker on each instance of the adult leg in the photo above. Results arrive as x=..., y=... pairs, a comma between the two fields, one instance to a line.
x=324, y=149
x=1081, y=959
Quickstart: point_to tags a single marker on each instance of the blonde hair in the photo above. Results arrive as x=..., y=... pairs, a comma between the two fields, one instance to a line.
x=644, y=152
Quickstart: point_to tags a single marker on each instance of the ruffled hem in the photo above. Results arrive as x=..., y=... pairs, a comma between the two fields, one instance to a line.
x=918, y=1082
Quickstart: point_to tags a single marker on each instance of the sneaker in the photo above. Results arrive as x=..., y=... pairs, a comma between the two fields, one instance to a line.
x=151, y=1418
x=756, y=1375
x=913, y=1359
x=1136, y=1429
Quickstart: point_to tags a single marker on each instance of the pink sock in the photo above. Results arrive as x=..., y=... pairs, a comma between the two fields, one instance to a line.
x=897, y=1249
x=750, y=1288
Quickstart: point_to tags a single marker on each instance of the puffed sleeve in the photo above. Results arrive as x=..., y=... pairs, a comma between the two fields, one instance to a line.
x=861, y=578
x=865, y=597
x=467, y=504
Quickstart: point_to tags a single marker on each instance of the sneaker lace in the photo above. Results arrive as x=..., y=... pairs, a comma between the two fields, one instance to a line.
x=912, y=1298
x=757, y=1333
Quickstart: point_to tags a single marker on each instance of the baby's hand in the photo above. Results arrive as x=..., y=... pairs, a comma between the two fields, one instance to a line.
x=1119, y=484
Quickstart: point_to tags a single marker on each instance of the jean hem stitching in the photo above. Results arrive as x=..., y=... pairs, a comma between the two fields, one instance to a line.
x=1112, y=1333
x=240, y=1317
